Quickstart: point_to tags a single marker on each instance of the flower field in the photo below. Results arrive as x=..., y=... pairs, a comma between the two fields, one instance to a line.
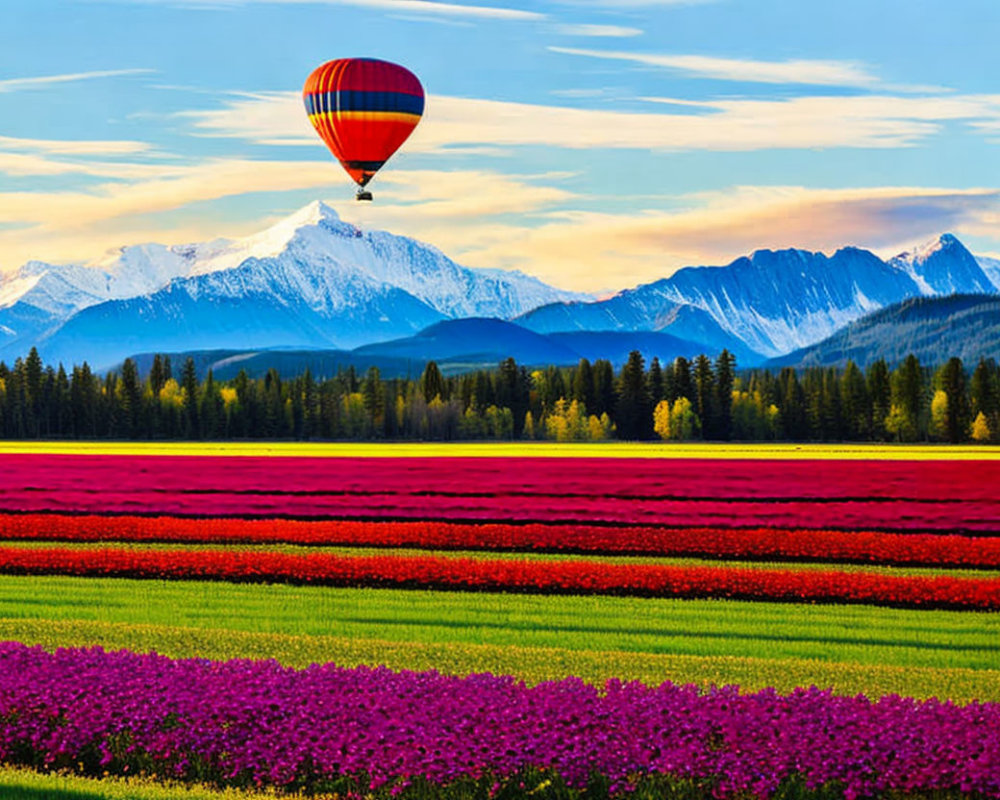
x=384, y=729
x=504, y=627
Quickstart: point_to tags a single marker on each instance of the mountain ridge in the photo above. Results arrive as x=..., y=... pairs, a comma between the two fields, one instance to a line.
x=932, y=328
x=312, y=280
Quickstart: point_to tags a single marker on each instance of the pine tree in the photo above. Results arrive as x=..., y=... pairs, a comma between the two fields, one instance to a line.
x=907, y=382
x=792, y=405
x=633, y=411
x=130, y=398
x=704, y=395
x=683, y=385
x=583, y=386
x=374, y=396
x=725, y=366
x=655, y=380
x=157, y=375
x=189, y=387
x=951, y=379
x=880, y=397
x=855, y=405
x=604, y=387
x=432, y=382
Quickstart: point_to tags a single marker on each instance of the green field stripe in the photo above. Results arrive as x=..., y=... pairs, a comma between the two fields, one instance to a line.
x=403, y=552
x=531, y=664
x=734, y=450
x=24, y=784
x=867, y=635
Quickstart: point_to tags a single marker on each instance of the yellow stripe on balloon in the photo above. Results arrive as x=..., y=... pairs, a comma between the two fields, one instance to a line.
x=388, y=116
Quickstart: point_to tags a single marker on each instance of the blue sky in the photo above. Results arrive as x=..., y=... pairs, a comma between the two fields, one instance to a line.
x=594, y=143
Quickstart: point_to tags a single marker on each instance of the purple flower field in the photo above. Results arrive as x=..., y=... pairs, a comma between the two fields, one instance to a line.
x=258, y=723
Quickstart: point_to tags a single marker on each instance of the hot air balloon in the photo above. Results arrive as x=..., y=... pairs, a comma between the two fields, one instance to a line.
x=364, y=109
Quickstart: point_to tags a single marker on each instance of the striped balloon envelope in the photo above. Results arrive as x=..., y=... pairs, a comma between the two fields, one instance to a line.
x=364, y=109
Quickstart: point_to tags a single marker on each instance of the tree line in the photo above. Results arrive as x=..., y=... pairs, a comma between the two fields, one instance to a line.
x=700, y=398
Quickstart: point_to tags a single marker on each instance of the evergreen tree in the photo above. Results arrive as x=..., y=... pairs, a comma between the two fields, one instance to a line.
x=855, y=404
x=432, y=382
x=792, y=405
x=908, y=403
x=130, y=394
x=951, y=379
x=189, y=387
x=725, y=366
x=604, y=387
x=634, y=410
x=683, y=385
x=157, y=375
x=704, y=395
x=63, y=403
x=880, y=397
x=583, y=386
x=32, y=369
x=655, y=380
x=984, y=394
x=374, y=397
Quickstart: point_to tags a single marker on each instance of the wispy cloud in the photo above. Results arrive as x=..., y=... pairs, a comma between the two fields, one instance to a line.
x=796, y=71
x=610, y=31
x=48, y=157
x=870, y=121
x=591, y=251
x=74, y=147
x=421, y=7
x=18, y=84
x=82, y=225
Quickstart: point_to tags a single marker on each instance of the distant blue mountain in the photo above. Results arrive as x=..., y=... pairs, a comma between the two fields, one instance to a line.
x=456, y=345
x=615, y=346
x=932, y=328
x=773, y=301
x=313, y=281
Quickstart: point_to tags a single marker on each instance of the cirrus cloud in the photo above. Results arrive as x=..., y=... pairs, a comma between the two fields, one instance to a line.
x=868, y=121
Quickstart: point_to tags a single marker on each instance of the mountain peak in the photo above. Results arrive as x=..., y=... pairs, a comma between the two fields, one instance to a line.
x=919, y=254
x=943, y=266
x=317, y=211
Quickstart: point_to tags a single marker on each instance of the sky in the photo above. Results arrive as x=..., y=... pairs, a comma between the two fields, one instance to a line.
x=595, y=144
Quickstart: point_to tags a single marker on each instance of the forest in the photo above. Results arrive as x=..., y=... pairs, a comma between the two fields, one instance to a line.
x=685, y=399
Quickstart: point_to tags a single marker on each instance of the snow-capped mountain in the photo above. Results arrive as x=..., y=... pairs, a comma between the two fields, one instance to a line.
x=778, y=301
x=943, y=266
x=315, y=281
x=991, y=266
x=40, y=296
x=311, y=280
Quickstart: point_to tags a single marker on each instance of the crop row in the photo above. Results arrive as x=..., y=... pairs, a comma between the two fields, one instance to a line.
x=533, y=664
x=870, y=547
x=978, y=517
x=510, y=575
x=623, y=478
x=859, y=634
x=256, y=722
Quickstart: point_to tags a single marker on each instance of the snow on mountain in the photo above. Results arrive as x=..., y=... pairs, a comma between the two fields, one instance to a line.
x=778, y=301
x=309, y=280
x=313, y=280
x=943, y=266
x=991, y=267
x=771, y=301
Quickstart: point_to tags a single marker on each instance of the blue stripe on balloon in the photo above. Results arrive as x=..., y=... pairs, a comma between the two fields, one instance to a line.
x=399, y=102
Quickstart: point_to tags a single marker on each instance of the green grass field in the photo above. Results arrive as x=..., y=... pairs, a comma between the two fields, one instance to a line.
x=615, y=449
x=850, y=648
x=22, y=784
